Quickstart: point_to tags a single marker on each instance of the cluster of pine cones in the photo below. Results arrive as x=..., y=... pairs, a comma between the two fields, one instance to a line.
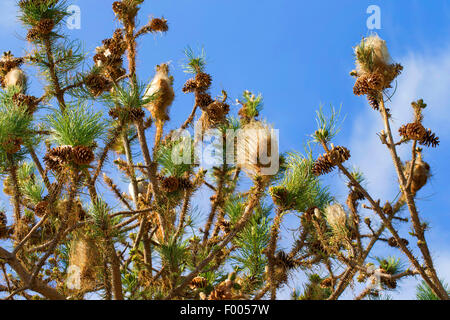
x=130, y=114
x=328, y=161
x=214, y=111
x=371, y=84
x=41, y=30
x=108, y=59
x=57, y=157
x=416, y=131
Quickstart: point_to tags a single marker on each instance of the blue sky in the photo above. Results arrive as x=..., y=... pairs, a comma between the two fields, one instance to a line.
x=298, y=54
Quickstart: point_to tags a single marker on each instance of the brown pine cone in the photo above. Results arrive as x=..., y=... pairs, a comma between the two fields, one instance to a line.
x=413, y=131
x=45, y=26
x=393, y=243
x=33, y=34
x=284, y=260
x=280, y=196
x=361, y=86
x=170, y=184
x=61, y=155
x=41, y=208
x=116, y=112
x=338, y=155
x=159, y=25
x=136, y=114
x=429, y=139
x=203, y=80
x=203, y=100
x=12, y=145
x=217, y=112
x=198, y=283
x=372, y=98
x=390, y=283
x=185, y=183
x=322, y=166
x=190, y=86
x=3, y=219
x=83, y=155
x=326, y=283
x=375, y=81
x=225, y=226
x=30, y=102
x=97, y=84
x=119, y=8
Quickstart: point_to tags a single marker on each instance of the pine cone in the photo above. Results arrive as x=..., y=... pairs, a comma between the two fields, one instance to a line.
x=375, y=81
x=390, y=283
x=119, y=8
x=217, y=112
x=361, y=86
x=413, y=131
x=159, y=25
x=322, y=166
x=429, y=139
x=136, y=114
x=30, y=102
x=279, y=196
x=97, y=84
x=33, y=34
x=12, y=145
x=45, y=26
x=190, y=86
x=203, y=80
x=393, y=243
x=222, y=291
x=393, y=71
x=203, y=100
x=3, y=219
x=338, y=155
x=83, y=155
x=58, y=156
x=326, y=283
x=185, y=183
x=170, y=184
x=284, y=260
x=225, y=226
x=41, y=208
x=198, y=283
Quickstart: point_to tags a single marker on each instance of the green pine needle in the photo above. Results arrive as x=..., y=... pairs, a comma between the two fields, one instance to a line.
x=76, y=126
x=195, y=62
x=304, y=188
x=327, y=127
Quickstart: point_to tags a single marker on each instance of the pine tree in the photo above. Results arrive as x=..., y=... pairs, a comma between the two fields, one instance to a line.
x=139, y=235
